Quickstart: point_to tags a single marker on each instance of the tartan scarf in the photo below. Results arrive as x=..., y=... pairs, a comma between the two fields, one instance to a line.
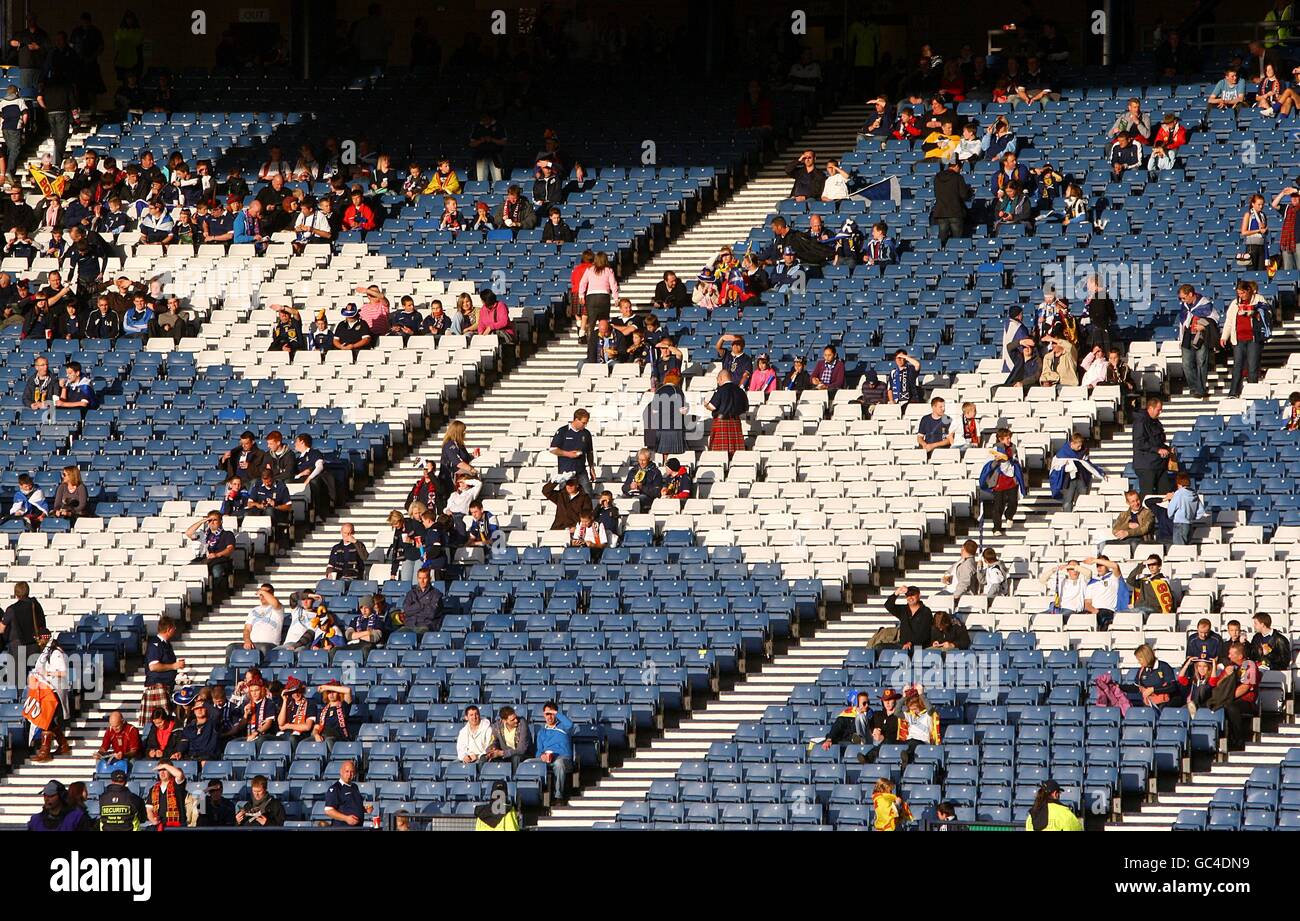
x=171, y=813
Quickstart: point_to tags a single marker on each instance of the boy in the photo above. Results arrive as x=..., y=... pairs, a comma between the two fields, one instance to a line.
x=1184, y=508
x=29, y=503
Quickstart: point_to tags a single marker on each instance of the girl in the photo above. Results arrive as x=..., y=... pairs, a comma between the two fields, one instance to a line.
x=597, y=290
x=798, y=379
x=306, y=169
x=1254, y=232
x=891, y=810
x=1269, y=93
x=403, y=553
x=918, y=724
x=1246, y=327
x=706, y=291
x=1197, y=684
x=763, y=380
x=483, y=220
x=455, y=457
x=1074, y=207
x=385, y=181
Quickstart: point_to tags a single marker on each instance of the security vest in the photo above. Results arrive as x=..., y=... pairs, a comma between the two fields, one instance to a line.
x=118, y=810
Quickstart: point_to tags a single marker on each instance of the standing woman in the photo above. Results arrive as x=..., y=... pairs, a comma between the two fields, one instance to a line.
x=596, y=291
x=403, y=552
x=455, y=456
x=1246, y=327
x=71, y=499
x=128, y=47
x=1254, y=232
x=665, y=417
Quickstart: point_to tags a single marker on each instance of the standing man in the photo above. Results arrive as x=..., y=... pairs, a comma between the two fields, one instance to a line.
x=51, y=674
x=915, y=620
x=950, y=196
x=23, y=622
x=727, y=405
x=575, y=451
x=1151, y=449
x=161, y=666
x=1198, y=331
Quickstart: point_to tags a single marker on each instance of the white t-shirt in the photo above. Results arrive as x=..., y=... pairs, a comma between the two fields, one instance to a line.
x=836, y=187
x=299, y=623
x=458, y=502
x=1103, y=593
x=267, y=624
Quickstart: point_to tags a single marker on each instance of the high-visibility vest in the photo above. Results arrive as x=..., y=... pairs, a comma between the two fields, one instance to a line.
x=1283, y=30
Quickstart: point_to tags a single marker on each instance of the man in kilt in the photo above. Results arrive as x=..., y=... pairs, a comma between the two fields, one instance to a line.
x=727, y=404
x=161, y=666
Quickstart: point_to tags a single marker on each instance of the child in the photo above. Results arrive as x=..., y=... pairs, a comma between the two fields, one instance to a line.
x=995, y=578
x=321, y=337
x=607, y=516
x=1074, y=206
x=328, y=634
x=970, y=146
x=881, y=249
x=890, y=809
x=57, y=245
x=1162, y=160
x=185, y=229
x=638, y=351
x=114, y=220
x=1197, y=683
x=906, y=128
x=706, y=291
x=415, y=182
x=1184, y=509
x=450, y=215
x=21, y=246
x=29, y=503
x=1293, y=421
x=970, y=432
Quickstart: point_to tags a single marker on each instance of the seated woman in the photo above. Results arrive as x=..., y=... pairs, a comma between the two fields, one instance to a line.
x=70, y=499
x=1156, y=682
x=947, y=632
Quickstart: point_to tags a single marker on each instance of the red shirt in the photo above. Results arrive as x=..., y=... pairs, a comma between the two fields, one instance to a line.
x=1249, y=678
x=575, y=278
x=1004, y=483
x=1245, y=323
x=122, y=742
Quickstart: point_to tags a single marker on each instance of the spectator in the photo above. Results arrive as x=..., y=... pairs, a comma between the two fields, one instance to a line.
x=589, y=533
x=828, y=373
x=1185, y=508
x=475, y=738
x=994, y=578
x=216, y=811
x=644, y=480
x=936, y=429
x=555, y=748
x=347, y=560
x=1254, y=235
x=244, y=461
x=1074, y=207
x=1136, y=524
x=575, y=451
x=1072, y=473
x=677, y=480
x=214, y=545
x=29, y=505
x=1060, y=365
x=511, y=738
x=664, y=417
x=1002, y=482
x=809, y=182
x=597, y=290
x=1247, y=326
x=1067, y=591
x=1287, y=231
x=903, y=386
x=948, y=633
x=265, y=622
x=670, y=293
x=1101, y=596
x=334, y=714
x=1196, y=687
x=422, y=606
x=119, y=747
x=1161, y=161
x=359, y=215
x=727, y=405
x=962, y=578
x=1047, y=813
x=853, y=724
x=76, y=392
x=836, y=187
x=891, y=810
x=261, y=809
x=571, y=501
x=200, y=738
x=1205, y=643
x=1199, y=329
x=494, y=318
x=919, y=723
x=164, y=735
x=1133, y=122
x=1237, y=699
x=950, y=196
x=1269, y=648
x=455, y=457
x=1229, y=93
x=733, y=360
x=57, y=813
x=343, y=802
x=915, y=620
x=1150, y=590
x=1151, y=450
x=555, y=230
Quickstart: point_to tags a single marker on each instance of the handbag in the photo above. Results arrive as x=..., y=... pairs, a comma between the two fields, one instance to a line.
x=1244, y=260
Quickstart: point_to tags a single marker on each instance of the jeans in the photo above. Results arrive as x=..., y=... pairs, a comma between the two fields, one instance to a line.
x=406, y=570
x=1245, y=357
x=1289, y=259
x=1182, y=534
x=1196, y=368
x=486, y=169
x=13, y=147
x=1071, y=492
x=560, y=770
x=949, y=227
x=60, y=125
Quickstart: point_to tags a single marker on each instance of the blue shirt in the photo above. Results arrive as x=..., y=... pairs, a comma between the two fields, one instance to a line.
x=557, y=740
x=570, y=439
x=160, y=650
x=276, y=493
x=346, y=798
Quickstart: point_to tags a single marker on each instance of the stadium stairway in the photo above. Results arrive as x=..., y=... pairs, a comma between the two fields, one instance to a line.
x=803, y=662
x=747, y=208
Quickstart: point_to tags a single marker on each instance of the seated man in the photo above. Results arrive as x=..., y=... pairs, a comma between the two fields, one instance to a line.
x=268, y=497
x=262, y=809
x=214, y=545
x=852, y=725
x=120, y=745
x=1205, y=643
x=935, y=430
x=77, y=392
x=422, y=606
x=644, y=481
x=474, y=740
x=555, y=747
x=1268, y=647
x=201, y=737
x=511, y=738
x=1101, y=595
x=1136, y=524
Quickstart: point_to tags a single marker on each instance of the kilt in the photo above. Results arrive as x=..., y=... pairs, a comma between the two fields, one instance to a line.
x=727, y=436
x=155, y=695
